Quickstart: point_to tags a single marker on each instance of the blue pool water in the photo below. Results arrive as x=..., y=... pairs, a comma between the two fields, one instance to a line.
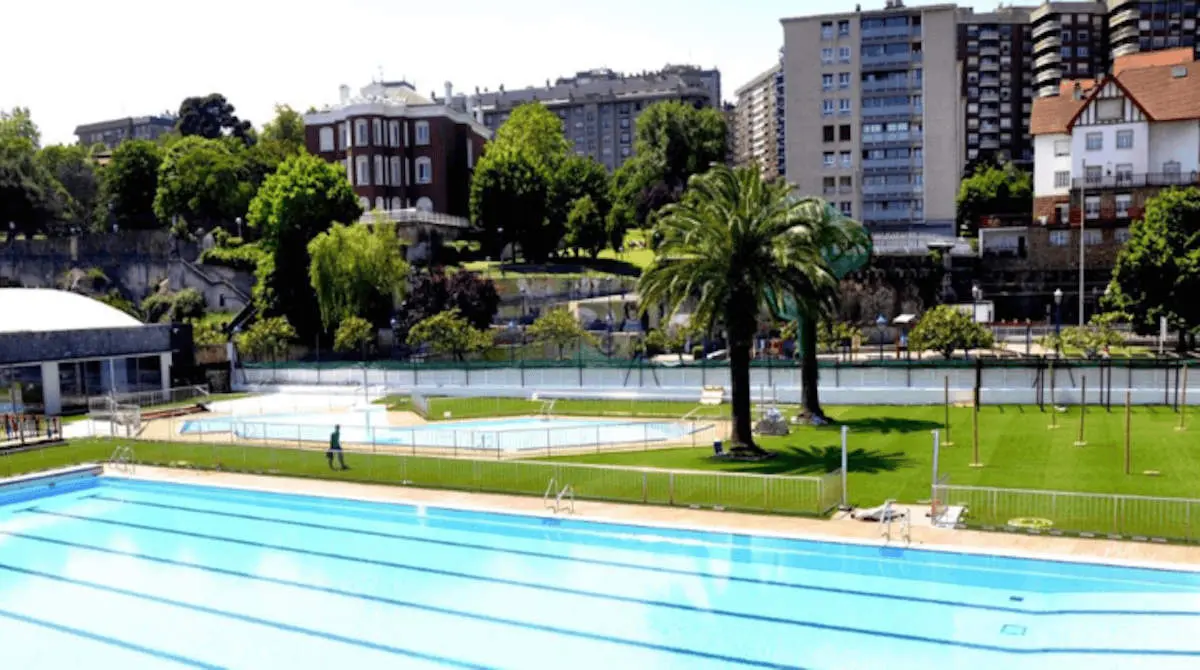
x=125, y=574
x=516, y=434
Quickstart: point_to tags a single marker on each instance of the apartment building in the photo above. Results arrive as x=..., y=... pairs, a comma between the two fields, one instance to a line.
x=996, y=52
x=1151, y=25
x=114, y=132
x=754, y=128
x=873, y=115
x=400, y=150
x=1070, y=41
x=599, y=107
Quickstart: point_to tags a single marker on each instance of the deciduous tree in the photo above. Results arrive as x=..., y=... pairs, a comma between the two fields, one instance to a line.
x=129, y=184
x=269, y=337
x=353, y=334
x=945, y=330
x=212, y=116
x=586, y=228
x=993, y=191
x=75, y=171
x=357, y=271
x=559, y=328
x=203, y=181
x=474, y=297
x=449, y=334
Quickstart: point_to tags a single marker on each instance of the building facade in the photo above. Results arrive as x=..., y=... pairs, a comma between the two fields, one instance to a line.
x=598, y=108
x=1070, y=41
x=399, y=149
x=873, y=115
x=1151, y=25
x=754, y=129
x=112, y=133
x=996, y=52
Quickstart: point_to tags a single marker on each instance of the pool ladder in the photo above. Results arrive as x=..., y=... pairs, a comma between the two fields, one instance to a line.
x=886, y=521
x=563, y=499
x=122, y=459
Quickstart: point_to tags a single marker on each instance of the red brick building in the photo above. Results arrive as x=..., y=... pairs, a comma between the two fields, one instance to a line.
x=400, y=150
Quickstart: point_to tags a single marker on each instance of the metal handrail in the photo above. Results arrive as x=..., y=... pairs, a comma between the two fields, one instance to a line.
x=546, y=496
x=567, y=492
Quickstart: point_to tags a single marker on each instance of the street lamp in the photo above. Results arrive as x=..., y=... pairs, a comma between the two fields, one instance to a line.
x=238, y=221
x=976, y=297
x=1058, y=298
x=608, y=322
x=524, y=311
x=395, y=323
x=881, y=323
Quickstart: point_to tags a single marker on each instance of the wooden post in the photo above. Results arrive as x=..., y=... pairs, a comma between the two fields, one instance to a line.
x=946, y=384
x=1082, y=413
x=1183, y=404
x=1128, y=431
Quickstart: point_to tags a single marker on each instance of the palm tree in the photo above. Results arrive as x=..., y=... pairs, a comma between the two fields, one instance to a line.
x=736, y=244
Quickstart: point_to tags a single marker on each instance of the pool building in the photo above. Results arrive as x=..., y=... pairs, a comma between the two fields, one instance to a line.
x=58, y=348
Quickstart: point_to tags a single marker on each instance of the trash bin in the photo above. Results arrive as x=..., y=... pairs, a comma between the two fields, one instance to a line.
x=718, y=449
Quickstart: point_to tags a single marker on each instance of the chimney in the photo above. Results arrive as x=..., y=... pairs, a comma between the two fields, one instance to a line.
x=344, y=93
x=1078, y=91
x=449, y=92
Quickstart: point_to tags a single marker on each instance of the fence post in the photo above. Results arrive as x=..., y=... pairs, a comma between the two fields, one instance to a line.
x=946, y=384
x=845, y=468
x=645, y=496
x=670, y=488
x=1082, y=412
x=1128, y=431
x=1183, y=404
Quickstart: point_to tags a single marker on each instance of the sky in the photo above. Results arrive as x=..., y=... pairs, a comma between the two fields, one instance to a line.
x=83, y=61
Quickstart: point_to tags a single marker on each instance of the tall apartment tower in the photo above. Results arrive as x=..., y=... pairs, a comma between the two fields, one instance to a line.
x=1152, y=25
x=754, y=127
x=873, y=115
x=996, y=53
x=1070, y=41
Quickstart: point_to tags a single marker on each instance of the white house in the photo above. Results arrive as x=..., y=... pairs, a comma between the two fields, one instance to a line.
x=1102, y=148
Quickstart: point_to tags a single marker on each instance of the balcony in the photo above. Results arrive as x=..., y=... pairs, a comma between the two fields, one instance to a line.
x=892, y=215
x=989, y=66
x=989, y=96
x=880, y=60
x=1048, y=44
x=1045, y=28
x=890, y=33
x=1047, y=81
x=890, y=86
x=895, y=137
x=1046, y=60
x=1147, y=180
x=989, y=51
x=1107, y=214
x=1125, y=33
x=900, y=112
x=875, y=191
x=989, y=82
x=1125, y=49
x=1124, y=16
x=989, y=36
x=989, y=113
x=881, y=164
x=989, y=144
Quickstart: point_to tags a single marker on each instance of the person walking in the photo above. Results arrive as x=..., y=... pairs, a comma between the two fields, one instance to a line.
x=335, y=447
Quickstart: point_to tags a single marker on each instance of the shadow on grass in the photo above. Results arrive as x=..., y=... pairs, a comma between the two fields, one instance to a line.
x=885, y=424
x=574, y=266
x=820, y=460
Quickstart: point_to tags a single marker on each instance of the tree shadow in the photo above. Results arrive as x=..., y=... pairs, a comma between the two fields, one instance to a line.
x=821, y=460
x=886, y=424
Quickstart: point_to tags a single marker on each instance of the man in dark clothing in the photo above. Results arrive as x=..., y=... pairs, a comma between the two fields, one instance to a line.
x=335, y=447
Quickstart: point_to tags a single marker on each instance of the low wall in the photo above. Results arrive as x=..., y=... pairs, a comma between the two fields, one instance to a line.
x=838, y=385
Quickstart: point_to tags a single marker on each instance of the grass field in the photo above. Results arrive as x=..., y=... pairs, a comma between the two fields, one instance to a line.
x=781, y=495
x=480, y=407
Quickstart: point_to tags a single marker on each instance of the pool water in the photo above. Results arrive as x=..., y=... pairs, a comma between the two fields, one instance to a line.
x=515, y=434
x=127, y=574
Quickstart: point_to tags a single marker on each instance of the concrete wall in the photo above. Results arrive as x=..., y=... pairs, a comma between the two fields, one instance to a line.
x=838, y=386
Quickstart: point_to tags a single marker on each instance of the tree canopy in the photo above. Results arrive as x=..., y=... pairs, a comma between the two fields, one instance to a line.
x=1158, y=269
x=75, y=171
x=353, y=334
x=301, y=200
x=210, y=117
x=449, y=334
x=993, y=191
x=286, y=129
x=559, y=328
x=474, y=297
x=269, y=337
x=203, y=181
x=945, y=329
x=129, y=184
x=585, y=227
x=357, y=271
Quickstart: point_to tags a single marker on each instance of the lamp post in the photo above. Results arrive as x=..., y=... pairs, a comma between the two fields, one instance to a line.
x=881, y=323
x=1058, y=298
x=524, y=311
x=395, y=323
x=608, y=323
x=512, y=333
x=976, y=298
x=238, y=221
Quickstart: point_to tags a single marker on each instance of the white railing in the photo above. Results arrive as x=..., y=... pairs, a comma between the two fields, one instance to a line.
x=149, y=398
x=123, y=460
x=1088, y=514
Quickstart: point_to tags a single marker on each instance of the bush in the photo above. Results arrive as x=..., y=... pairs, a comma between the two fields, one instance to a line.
x=157, y=306
x=698, y=352
x=243, y=257
x=187, y=304
x=945, y=329
x=655, y=343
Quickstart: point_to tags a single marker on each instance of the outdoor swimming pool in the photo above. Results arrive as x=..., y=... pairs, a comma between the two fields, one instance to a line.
x=511, y=434
x=109, y=573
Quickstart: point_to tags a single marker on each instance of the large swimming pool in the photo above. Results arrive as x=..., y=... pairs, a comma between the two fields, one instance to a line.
x=110, y=573
x=506, y=434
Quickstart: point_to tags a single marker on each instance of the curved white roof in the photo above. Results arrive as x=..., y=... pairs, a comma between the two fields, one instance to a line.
x=39, y=310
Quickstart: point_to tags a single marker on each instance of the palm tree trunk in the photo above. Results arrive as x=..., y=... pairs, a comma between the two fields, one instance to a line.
x=810, y=400
x=739, y=372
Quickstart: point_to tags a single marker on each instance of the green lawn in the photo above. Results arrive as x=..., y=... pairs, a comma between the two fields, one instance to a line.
x=891, y=454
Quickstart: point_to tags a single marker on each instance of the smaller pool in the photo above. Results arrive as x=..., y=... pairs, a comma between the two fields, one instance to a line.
x=517, y=434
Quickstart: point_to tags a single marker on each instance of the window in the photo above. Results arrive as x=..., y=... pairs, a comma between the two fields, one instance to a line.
x=1062, y=179
x=379, y=174
x=1095, y=141
x=365, y=203
x=844, y=106
x=1121, y=235
x=344, y=139
x=1094, y=174
x=422, y=132
x=376, y=132
x=394, y=133
x=846, y=207
x=1109, y=110
x=843, y=80
x=846, y=162
x=826, y=107
x=1124, y=202
x=828, y=158
x=1092, y=237
x=470, y=154
x=1124, y=139
x=843, y=28
x=360, y=133
x=326, y=139
x=424, y=170
x=1081, y=52
x=826, y=55
x=349, y=173
x=844, y=134
x=396, y=204
x=362, y=170
x=1091, y=206
x=844, y=54
x=624, y=123
x=1062, y=148
x=1060, y=238
x=827, y=133
x=827, y=82
x=394, y=171
x=379, y=203
x=1172, y=168
x=846, y=184
x=827, y=30
x=829, y=185
x=1125, y=173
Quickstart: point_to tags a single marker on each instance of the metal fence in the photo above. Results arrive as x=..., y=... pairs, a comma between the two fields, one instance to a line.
x=144, y=399
x=1086, y=514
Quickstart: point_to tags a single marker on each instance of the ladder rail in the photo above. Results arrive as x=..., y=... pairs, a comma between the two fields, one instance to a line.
x=567, y=493
x=546, y=495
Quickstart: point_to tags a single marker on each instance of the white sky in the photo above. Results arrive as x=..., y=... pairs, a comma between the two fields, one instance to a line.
x=82, y=61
